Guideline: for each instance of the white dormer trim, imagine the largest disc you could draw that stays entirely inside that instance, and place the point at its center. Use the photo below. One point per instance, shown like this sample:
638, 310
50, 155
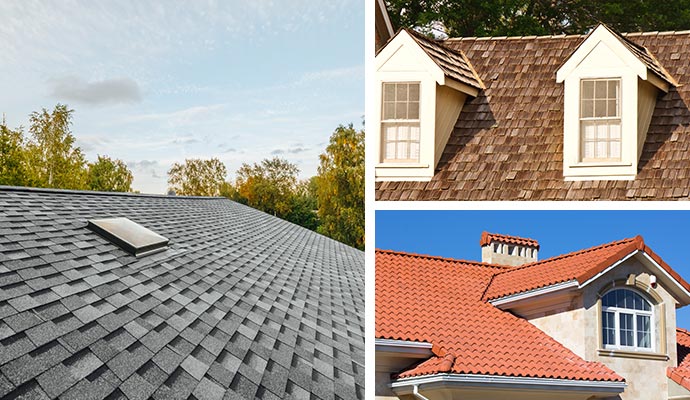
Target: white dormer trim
602, 55
599, 35
402, 60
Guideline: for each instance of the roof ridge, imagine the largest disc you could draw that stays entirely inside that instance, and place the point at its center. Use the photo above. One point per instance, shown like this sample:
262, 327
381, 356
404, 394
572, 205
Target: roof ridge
572, 254
28, 189
440, 258
562, 36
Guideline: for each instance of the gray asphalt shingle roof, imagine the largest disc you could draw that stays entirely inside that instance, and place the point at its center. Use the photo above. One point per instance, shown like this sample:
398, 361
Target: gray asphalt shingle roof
240, 305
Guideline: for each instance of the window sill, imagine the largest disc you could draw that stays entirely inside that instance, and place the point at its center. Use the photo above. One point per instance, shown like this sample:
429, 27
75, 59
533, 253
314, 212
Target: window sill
589, 164
632, 354
401, 165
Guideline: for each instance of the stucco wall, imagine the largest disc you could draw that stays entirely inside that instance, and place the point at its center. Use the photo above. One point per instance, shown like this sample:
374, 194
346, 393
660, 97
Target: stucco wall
578, 327
646, 378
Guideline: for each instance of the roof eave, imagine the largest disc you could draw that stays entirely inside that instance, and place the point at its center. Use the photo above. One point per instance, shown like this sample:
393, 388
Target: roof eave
458, 381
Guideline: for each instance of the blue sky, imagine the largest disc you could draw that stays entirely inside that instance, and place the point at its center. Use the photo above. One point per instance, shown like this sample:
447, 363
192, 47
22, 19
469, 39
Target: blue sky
155, 82
456, 234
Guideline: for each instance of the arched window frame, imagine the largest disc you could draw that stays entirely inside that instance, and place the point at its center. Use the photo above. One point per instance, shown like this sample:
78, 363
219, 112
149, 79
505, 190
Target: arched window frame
617, 311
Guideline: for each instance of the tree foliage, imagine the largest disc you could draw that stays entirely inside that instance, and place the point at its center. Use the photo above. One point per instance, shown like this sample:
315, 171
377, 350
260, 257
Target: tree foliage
268, 185
13, 170
49, 157
340, 187
538, 17
108, 175
53, 159
197, 177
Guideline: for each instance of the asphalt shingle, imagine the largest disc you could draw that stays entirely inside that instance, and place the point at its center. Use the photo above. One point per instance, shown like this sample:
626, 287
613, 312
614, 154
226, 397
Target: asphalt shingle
221, 313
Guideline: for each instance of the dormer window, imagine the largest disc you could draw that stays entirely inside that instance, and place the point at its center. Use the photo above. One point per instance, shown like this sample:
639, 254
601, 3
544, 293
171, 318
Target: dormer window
610, 90
600, 120
422, 86
400, 122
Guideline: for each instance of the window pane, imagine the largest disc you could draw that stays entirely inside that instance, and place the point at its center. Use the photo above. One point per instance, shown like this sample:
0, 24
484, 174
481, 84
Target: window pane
403, 151
414, 91
589, 150
600, 89
391, 133
615, 130
403, 132
414, 150
400, 110
401, 92
601, 151
389, 92
590, 129
609, 299
388, 110
600, 108
615, 149
390, 151
612, 108
413, 110
414, 133
613, 89
602, 131
628, 302
608, 323
587, 89
626, 329
587, 108
644, 334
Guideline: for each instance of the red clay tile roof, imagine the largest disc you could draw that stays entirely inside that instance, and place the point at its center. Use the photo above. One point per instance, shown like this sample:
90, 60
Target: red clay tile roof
579, 266
439, 300
508, 141
487, 238
454, 63
681, 373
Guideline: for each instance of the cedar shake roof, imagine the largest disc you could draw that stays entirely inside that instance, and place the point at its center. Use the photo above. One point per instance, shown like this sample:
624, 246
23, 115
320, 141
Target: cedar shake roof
437, 300
508, 141
579, 266
487, 238
240, 305
452, 62
681, 373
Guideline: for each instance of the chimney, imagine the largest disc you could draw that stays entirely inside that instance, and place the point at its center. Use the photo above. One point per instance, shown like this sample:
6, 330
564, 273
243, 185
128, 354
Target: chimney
508, 250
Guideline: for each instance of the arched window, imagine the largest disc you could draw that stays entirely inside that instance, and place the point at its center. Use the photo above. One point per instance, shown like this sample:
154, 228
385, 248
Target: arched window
626, 320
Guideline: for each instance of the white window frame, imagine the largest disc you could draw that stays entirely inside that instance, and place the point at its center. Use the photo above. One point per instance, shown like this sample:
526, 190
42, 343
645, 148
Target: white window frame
620, 310
604, 120
399, 123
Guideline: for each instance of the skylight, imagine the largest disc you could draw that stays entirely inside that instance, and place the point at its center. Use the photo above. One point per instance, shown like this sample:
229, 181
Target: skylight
128, 235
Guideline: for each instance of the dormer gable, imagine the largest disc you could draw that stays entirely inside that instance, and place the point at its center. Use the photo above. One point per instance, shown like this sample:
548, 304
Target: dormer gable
611, 87
421, 89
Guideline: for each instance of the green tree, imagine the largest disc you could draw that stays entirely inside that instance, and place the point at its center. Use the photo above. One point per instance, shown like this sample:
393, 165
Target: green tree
537, 17
12, 157
197, 177
303, 207
108, 175
53, 160
268, 186
340, 187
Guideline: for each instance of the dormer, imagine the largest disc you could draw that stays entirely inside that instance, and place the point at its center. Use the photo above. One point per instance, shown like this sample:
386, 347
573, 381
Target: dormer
421, 89
611, 87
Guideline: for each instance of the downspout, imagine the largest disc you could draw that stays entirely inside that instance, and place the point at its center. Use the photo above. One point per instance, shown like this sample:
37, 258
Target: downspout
415, 393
